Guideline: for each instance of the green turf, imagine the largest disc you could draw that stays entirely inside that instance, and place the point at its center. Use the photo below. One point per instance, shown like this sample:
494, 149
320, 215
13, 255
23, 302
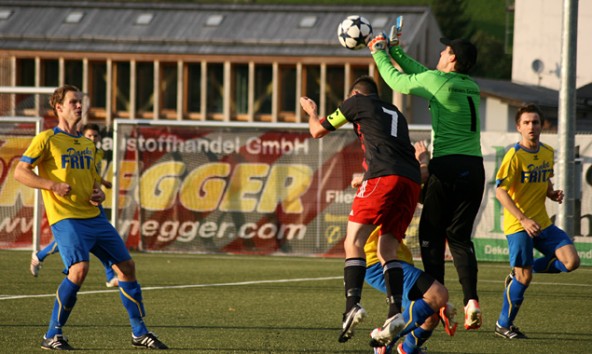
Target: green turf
222, 304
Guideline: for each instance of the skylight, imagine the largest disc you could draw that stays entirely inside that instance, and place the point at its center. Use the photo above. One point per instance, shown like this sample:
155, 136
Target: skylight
5, 14
74, 17
308, 21
144, 19
214, 20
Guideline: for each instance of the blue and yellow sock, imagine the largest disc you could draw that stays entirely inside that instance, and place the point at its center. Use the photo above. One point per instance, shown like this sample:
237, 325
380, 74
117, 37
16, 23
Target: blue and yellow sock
548, 264
513, 298
415, 339
131, 297
417, 312
63, 305
49, 249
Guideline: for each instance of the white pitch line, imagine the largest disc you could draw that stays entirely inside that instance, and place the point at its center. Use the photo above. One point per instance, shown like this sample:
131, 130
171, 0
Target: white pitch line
253, 282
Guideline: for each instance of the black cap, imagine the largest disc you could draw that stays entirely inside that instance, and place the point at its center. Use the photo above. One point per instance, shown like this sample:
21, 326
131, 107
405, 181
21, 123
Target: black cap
465, 51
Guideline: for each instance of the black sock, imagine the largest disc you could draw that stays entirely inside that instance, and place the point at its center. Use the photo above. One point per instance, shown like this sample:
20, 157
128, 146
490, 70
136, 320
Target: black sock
393, 279
353, 277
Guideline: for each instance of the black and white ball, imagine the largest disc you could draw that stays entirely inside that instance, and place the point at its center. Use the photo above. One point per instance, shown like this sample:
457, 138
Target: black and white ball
354, 32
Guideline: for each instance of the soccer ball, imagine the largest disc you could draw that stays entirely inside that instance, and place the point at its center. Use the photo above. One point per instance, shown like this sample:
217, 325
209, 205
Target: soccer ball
354, 32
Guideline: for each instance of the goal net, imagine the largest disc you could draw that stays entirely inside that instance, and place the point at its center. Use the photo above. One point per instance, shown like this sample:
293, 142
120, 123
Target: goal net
234, 187
20, 206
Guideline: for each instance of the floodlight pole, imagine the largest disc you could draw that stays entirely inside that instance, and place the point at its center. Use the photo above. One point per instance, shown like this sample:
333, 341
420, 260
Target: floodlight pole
567, 113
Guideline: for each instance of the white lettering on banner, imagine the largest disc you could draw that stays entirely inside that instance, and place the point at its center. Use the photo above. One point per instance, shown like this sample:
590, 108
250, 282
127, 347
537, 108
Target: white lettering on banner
9, 225
187, 231
337, 196
218, 145
276, 147
496, 250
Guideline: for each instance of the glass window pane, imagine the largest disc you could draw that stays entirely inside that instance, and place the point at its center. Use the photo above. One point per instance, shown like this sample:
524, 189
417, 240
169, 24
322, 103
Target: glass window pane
288, 89
73, 74
98, 84
122, 90
168, 86
240, 101
215, 96
25, 72
334, 88
145, 87
50, 73
312, 87
263, 89
194, 87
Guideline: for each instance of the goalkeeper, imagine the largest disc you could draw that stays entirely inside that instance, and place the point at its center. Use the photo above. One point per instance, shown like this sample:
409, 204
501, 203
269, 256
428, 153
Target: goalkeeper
455, 185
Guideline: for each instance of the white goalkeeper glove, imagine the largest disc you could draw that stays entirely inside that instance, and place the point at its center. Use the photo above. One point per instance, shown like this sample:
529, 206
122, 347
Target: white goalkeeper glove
378, 43
396, 31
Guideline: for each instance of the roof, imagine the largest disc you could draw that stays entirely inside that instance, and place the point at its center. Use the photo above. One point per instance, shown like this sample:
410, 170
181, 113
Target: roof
516, 94
174, 28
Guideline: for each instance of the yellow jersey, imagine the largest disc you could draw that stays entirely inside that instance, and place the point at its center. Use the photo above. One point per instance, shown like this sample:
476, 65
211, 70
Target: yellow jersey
371, 249
525, 175
62, 157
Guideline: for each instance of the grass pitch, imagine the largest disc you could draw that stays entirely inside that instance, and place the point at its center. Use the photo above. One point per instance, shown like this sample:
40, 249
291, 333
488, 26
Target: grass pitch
255, 304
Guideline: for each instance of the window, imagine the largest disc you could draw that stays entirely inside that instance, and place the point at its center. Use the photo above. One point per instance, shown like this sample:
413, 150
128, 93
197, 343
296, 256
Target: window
215, 93
168, 86
311, 84
214, 20
193, 96
263, 89
334, 88
287, 94
144, 87
73, 74
74, 17
50, 73
144, 19
98, 84
121, 71
240, 89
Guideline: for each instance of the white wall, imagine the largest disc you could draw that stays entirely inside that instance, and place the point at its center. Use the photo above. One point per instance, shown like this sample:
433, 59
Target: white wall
537, 35
495, 117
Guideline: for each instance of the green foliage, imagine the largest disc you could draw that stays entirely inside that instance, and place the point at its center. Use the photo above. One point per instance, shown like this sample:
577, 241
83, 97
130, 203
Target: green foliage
259, 304
452, 18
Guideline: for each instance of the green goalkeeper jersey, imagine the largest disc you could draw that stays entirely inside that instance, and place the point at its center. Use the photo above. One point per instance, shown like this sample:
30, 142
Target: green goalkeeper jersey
453, 101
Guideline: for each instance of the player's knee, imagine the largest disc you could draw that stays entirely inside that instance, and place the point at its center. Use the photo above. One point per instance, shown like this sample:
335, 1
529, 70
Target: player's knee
572, 263
127, 268
431, 322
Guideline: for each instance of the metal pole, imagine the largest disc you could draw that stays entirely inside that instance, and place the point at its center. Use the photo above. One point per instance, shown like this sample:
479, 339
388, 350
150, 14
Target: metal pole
567, 114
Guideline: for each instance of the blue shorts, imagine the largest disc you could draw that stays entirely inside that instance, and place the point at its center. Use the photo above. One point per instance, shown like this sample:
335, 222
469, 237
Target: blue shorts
375, 278
77, 238
521, 246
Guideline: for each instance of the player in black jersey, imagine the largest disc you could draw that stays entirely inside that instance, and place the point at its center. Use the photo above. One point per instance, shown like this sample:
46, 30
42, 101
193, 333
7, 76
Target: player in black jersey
387, 197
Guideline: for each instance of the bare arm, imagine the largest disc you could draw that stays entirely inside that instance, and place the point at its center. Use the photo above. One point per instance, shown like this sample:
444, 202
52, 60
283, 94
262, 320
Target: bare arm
423, 156
314, 125
529, 225
24, 173
554, 195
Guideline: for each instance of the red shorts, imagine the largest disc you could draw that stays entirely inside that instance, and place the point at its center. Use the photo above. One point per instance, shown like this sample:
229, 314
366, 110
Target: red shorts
387, 201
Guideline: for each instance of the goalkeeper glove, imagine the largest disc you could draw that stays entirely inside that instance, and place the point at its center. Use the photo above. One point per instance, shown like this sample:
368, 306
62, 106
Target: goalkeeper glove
396, 31
378, 43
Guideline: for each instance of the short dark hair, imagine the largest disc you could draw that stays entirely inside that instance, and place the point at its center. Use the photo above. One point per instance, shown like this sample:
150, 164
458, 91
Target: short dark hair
529, 108
465, 52
59, 94
365, 84
90, 126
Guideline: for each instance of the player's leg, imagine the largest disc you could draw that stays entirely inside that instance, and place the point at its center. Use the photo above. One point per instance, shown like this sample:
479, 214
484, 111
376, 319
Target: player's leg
402, 195
435, 216
74, 246
110, 249
520, 247
37, 258
354, 273
560, 255
466, 194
